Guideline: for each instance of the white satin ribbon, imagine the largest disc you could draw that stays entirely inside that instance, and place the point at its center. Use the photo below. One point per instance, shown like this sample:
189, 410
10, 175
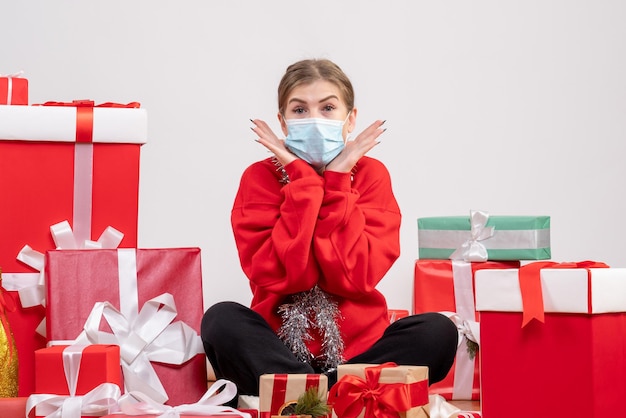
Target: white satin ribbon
150, 336
100, 400
31, 287
473, 249
222, 391
10, 78
468, 329
440, 408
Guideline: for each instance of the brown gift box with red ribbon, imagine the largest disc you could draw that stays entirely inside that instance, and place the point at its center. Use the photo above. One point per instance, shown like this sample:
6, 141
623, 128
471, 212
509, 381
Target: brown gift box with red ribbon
75, 162
556, 330
385, 390
278, 391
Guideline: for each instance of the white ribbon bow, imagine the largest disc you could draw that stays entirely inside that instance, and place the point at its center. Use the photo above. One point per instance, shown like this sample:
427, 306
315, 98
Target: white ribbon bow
466, 328
31, 287
473, 249
222, 391
98, 401
150, 336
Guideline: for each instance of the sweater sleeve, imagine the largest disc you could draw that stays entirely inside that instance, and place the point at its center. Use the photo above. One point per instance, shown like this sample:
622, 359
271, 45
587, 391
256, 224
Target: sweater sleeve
358, 231
273, 226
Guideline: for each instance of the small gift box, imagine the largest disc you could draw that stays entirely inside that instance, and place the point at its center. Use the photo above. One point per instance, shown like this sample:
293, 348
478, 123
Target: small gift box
13, 89
386, 390
481, 237
98, 364
77, 163
447, 286
395, 314
14, 408
280, 391
558, 329
77, 380
148, 301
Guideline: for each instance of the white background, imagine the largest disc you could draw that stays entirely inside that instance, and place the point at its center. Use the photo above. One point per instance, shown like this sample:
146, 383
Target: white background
513, 107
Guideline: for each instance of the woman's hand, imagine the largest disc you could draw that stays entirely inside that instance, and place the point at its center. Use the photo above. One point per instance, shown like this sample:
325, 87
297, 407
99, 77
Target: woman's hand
357, 148
269, 140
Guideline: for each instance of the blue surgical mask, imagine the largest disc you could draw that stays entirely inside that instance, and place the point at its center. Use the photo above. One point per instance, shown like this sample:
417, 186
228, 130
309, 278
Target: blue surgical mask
317, 141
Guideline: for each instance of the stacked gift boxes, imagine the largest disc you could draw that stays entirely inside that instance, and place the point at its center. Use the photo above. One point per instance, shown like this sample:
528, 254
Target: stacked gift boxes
452, 249
71, 174
74, 168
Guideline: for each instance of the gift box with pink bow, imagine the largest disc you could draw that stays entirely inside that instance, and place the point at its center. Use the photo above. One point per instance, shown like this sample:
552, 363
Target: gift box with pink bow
69, 178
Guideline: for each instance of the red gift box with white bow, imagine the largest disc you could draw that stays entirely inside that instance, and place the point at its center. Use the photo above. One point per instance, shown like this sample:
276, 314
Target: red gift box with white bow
448, 286
148, 301
73, 165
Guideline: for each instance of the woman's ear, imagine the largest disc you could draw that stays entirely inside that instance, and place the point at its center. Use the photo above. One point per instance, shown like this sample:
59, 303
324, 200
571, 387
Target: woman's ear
352, 120
283, 125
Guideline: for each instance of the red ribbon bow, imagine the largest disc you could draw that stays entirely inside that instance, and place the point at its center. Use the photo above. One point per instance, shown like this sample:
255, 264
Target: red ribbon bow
351, 394
530, 285
84, 115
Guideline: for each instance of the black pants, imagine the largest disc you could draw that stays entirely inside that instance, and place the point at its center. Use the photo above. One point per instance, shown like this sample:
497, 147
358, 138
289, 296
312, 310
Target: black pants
241, 346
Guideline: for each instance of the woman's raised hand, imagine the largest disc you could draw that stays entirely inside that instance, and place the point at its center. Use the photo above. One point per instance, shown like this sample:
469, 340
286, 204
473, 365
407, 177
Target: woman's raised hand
357, 148
269, 140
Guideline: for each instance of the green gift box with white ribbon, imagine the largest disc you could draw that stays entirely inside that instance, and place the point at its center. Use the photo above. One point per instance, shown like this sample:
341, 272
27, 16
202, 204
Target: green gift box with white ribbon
480, 237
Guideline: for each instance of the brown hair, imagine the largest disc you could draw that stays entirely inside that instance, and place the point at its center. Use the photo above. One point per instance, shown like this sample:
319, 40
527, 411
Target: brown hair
310, 70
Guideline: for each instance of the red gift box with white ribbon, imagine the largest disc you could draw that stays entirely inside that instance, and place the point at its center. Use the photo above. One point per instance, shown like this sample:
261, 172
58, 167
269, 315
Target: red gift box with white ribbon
13, 89
555, 331
75, 381
447, 286
148, 301
72, 163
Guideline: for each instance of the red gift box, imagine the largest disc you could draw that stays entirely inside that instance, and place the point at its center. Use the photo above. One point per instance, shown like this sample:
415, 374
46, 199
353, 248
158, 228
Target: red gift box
90, 375
14, 408
13, 90
574, 349
395, 314
135, 282
447, 286
49, 177
99, 364
276, 391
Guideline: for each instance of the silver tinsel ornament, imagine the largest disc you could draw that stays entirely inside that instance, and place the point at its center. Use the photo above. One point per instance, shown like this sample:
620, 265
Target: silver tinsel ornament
313, 309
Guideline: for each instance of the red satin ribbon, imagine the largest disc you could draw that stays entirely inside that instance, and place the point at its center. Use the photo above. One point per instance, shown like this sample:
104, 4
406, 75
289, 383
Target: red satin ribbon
7, 304
351, 394
84, 115
530, 285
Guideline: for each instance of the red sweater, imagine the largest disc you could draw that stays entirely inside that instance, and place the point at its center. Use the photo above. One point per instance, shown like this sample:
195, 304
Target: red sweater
330, 231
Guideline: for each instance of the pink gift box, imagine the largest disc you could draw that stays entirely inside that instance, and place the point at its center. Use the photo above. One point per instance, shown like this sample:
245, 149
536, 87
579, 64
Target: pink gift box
77, 279
44, 174
577, 353
447, 286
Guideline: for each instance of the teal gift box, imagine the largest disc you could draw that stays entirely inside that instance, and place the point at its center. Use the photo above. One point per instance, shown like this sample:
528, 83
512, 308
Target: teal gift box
480, 237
